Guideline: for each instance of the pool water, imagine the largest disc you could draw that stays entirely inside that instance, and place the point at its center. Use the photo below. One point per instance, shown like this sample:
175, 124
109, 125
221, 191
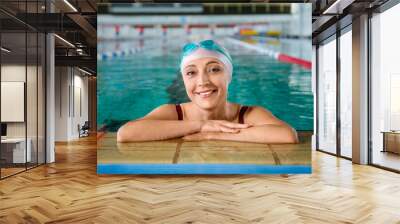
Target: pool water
131, 86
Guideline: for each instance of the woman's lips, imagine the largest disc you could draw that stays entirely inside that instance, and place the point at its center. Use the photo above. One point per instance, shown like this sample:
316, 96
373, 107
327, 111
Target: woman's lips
205, 94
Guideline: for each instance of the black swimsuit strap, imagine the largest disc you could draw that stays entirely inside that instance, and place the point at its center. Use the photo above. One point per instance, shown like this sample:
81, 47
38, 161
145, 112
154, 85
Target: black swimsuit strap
179, 111
241, 114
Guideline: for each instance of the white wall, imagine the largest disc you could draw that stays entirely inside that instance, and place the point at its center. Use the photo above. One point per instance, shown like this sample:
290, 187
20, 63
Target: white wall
33, 127
61, 103
12, 73
80, 103
12, 100
70, 84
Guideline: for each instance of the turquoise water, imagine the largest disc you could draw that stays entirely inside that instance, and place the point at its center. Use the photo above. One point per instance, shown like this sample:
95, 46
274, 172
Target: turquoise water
131, 86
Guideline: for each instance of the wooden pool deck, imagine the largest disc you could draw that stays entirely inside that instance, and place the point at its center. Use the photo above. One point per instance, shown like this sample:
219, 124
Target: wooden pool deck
178, 151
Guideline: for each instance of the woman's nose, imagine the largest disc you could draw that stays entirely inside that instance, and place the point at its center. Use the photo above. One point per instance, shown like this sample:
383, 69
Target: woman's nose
203, 79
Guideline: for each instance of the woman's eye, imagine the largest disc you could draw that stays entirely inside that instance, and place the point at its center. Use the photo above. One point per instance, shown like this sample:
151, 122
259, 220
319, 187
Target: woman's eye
215, 69
190, 73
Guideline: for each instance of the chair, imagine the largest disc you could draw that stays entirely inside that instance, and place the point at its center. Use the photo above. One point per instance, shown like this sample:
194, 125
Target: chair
84, 130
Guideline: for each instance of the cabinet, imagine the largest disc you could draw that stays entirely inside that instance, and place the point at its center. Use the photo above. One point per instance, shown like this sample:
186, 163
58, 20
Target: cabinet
13, 150
391, 141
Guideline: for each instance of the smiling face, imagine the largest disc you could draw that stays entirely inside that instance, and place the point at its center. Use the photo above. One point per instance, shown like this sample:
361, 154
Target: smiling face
206, 81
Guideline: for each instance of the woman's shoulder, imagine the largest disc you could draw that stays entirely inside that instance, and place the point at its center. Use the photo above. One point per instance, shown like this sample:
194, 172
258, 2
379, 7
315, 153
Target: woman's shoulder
166, 107
259, 114
257, 109
246, 109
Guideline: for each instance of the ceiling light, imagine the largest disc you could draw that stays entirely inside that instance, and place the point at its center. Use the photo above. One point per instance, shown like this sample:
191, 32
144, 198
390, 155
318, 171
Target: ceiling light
65, 41
5, 49
70, 5
337, 7
84, 71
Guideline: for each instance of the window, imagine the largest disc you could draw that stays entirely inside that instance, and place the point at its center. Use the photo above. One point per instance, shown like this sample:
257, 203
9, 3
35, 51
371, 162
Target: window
327, 96
346, 94
385, 89
23, 77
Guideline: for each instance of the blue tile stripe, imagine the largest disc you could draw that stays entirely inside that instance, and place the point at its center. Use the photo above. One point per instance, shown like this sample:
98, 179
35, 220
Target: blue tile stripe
202, 169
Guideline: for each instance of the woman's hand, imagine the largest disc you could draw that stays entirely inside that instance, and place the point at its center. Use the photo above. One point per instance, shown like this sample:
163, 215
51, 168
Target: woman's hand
222, 126
199, 136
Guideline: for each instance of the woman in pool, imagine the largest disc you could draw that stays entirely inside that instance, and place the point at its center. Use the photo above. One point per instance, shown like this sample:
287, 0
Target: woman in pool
206, 69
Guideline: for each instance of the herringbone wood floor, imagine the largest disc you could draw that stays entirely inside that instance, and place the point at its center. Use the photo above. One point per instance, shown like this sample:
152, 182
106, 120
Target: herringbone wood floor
70, 191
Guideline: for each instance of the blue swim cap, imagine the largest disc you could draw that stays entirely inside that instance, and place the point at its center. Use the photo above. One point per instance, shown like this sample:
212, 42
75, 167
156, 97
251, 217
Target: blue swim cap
206, 48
